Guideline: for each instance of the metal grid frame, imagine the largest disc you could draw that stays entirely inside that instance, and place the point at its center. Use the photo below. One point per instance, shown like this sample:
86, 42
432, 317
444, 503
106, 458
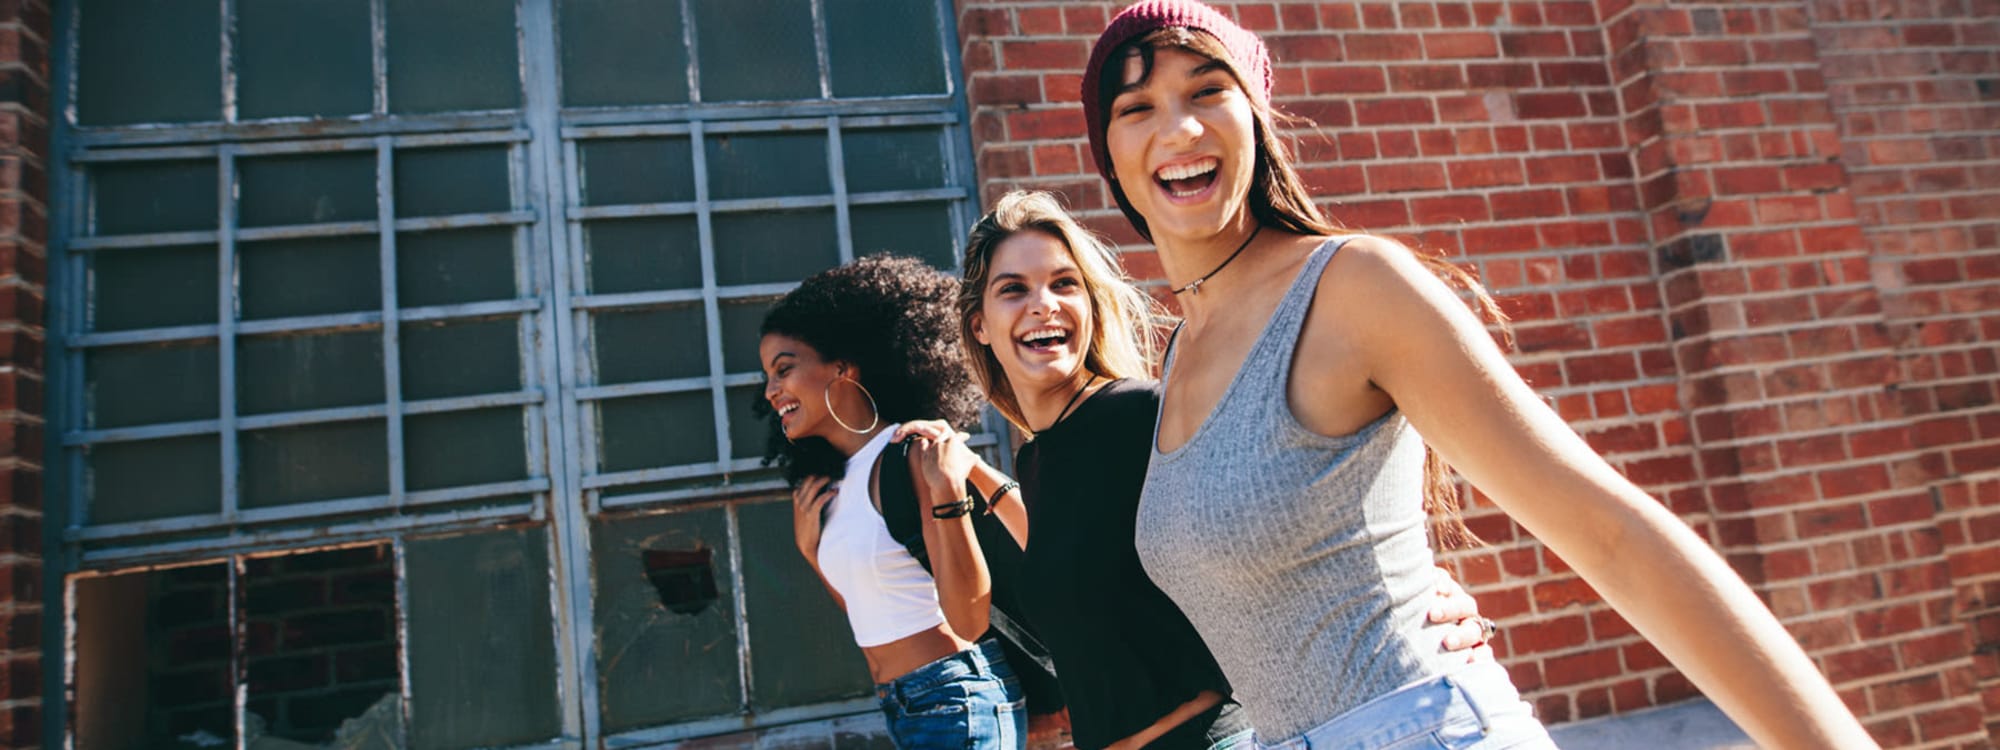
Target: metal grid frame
541, 139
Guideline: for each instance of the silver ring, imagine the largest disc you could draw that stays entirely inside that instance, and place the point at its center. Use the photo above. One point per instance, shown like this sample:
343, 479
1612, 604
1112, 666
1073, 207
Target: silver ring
1487, 627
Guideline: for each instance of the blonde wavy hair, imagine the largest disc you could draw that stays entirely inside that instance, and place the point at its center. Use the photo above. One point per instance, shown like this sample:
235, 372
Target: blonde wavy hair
1123, 340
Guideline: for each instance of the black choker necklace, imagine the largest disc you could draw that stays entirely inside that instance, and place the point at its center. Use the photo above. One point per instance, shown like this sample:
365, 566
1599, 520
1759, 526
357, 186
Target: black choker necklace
1072, 403
1195, 286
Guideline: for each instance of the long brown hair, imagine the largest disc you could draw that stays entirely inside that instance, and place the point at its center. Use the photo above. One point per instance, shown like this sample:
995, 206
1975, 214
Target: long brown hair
1122, 341
1278, 198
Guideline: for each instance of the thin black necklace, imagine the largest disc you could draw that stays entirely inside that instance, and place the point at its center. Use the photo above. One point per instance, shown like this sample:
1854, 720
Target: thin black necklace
1072, 403
1195, 286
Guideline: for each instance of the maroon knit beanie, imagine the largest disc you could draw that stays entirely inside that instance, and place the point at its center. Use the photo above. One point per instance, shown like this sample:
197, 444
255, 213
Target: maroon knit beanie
1248, 55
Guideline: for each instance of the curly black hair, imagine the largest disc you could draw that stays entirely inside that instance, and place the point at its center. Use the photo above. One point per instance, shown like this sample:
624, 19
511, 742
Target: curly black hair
894, 318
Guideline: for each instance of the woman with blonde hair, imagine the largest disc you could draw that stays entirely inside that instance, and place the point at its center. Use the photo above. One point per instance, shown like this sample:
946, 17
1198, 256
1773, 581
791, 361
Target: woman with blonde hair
1282, 508
1061, 343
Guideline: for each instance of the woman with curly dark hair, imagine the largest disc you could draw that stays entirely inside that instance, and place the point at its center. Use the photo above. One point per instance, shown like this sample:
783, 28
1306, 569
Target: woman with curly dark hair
847, 356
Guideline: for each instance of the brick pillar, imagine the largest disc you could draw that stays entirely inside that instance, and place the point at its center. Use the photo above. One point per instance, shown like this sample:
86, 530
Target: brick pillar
1916, 88
24, 147
1821, 497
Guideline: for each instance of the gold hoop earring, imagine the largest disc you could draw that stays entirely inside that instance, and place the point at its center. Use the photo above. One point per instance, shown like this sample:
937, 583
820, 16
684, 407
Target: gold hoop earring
827, 394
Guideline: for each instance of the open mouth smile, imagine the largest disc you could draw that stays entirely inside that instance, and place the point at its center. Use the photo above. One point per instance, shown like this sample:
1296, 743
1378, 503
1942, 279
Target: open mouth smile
1044, 339
1189, 179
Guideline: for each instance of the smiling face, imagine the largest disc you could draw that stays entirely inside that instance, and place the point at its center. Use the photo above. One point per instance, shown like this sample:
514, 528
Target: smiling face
1034, 314
796, 384
1182, 140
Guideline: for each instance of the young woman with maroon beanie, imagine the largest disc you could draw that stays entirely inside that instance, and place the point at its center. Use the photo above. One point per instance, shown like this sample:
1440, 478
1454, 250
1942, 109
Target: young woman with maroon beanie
1283, 508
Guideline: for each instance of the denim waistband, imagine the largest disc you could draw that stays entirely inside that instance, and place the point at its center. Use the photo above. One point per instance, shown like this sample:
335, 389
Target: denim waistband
1480, 698
983, 658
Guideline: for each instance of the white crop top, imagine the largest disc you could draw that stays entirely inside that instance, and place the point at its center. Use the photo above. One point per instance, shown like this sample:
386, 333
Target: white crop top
889, 595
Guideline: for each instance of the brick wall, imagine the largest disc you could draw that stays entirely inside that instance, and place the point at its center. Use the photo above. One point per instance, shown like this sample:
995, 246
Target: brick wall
1751, 250
24, 124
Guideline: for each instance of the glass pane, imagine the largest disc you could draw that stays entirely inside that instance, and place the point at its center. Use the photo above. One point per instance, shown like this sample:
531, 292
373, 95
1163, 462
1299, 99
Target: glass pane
631, 255
923, 230
455, 267
303, 57
756, 50
321, 653
289, 465
758, 165
308, 371
740, 320
801, 650
445, 181
756, 248
152, 660
307, 189
654, 344
482, 648
151, 286
460, 448
622, 52
283, 278
141, 197
447, 55
181, 44
893, 159
748, 435
460, 358
884, 47
152, 479
153, 384
673, 429
650, 170
666, 620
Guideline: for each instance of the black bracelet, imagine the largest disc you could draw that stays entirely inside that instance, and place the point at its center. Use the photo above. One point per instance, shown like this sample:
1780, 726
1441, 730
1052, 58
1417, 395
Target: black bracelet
999, 493
962, 506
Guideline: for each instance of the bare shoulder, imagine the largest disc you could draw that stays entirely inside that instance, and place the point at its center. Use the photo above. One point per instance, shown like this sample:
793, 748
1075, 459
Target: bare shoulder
1375, 284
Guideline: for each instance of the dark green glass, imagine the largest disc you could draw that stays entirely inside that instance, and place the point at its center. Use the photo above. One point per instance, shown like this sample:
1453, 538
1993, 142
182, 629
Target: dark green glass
296, 372
756, 50
642, 432
650, 344
151, 479
152, 196
317, 276
760, 248
446, 181
459, 448
291, 465
150, 384
666, 651
633, 255
453, 55
306, 189
180, 44
151, 287
884, 47
456, 266
760, 165
893, 159
801, 650
921, 230
460, 358
627, 171
741, 319
303, 58
481, 644
622, 52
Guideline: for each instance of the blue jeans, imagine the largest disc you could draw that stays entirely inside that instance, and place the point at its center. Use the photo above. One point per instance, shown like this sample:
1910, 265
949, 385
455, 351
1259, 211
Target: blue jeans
966, 700
1474, 707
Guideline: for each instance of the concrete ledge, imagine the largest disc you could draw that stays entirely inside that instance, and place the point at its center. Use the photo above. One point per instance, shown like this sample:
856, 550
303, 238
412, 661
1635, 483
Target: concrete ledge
1690, 725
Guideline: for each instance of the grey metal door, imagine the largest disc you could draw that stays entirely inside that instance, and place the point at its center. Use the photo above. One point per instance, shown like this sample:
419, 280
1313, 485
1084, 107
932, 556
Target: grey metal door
458, 297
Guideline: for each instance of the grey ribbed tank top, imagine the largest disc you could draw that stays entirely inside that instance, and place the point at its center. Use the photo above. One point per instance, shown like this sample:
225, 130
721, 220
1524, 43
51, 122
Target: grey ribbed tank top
1300, 558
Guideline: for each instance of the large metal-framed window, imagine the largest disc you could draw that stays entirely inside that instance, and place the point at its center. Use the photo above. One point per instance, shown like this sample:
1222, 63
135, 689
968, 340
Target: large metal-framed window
456, 292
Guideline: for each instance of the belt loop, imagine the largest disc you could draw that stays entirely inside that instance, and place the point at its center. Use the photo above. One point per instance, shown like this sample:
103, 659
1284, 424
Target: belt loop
1471, 702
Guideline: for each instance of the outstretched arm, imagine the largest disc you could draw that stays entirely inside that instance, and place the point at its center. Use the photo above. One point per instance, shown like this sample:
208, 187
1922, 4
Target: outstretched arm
1424, 348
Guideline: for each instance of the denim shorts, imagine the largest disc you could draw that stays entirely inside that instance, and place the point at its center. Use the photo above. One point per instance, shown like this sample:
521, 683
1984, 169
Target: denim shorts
1474, 707
970, 699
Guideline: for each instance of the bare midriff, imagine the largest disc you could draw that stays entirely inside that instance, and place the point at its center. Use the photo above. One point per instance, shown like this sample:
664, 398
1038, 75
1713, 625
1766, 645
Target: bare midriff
904, 655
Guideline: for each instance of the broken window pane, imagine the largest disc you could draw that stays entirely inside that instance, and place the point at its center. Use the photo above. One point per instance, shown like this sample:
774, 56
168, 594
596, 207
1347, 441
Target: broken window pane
664, 652
152, 660
320, 649
482, 647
